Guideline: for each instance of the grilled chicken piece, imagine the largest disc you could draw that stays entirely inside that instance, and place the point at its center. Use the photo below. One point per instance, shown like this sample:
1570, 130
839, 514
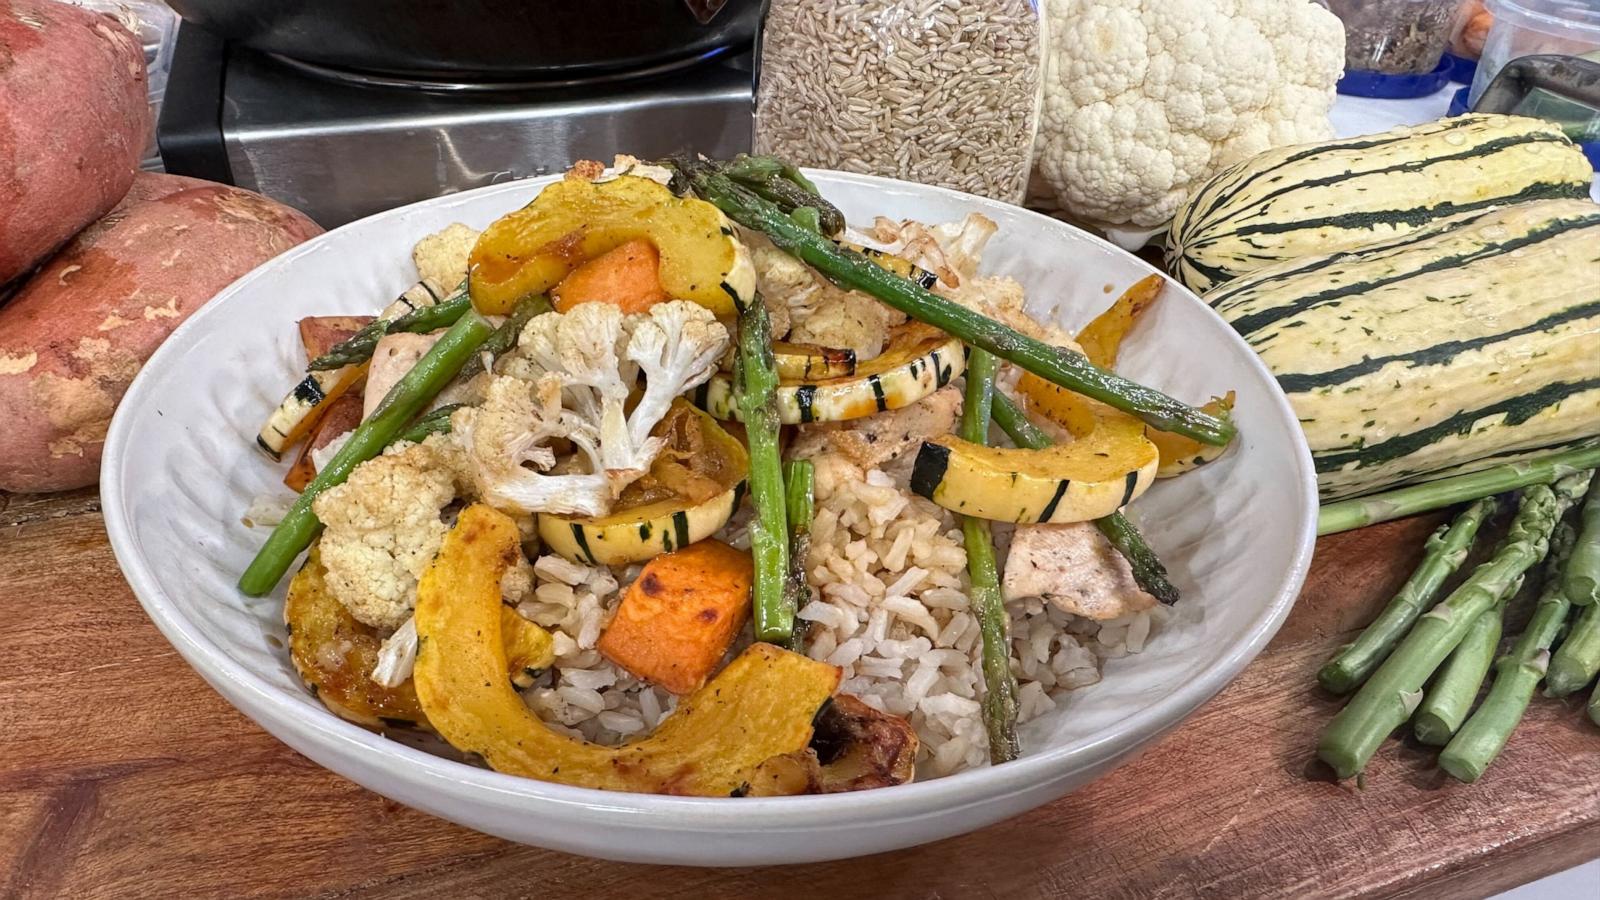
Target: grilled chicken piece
393, 358
851, 320
1074, 568
854, 748
876, 441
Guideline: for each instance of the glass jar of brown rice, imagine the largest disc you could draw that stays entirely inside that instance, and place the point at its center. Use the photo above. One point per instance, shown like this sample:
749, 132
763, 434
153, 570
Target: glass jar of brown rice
941, 92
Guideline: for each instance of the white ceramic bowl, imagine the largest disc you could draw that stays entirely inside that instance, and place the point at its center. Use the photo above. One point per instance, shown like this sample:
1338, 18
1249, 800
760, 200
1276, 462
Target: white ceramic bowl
181, 468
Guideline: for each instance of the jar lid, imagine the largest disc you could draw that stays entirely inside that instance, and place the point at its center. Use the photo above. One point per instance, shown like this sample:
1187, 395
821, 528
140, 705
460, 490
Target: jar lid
1359, 83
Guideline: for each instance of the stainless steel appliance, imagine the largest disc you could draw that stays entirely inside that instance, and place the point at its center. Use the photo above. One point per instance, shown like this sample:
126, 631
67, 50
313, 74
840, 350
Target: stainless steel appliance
341, 143
481, 39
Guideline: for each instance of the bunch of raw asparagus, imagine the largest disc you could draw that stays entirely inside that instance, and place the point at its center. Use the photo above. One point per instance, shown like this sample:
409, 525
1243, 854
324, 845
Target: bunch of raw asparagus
1429, 667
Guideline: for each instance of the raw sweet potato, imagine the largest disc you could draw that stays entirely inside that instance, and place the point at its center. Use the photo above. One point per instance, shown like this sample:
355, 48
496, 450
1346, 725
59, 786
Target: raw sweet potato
627, 276
678, 617
78, 331
74, 120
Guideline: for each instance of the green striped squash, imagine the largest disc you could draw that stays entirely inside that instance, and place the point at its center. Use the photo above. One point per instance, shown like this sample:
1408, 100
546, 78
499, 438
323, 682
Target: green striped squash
1474, 337
1318, 198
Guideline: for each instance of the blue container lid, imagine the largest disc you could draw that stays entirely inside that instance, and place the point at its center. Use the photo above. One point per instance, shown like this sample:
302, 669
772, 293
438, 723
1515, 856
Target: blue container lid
1461, 68
1394, 87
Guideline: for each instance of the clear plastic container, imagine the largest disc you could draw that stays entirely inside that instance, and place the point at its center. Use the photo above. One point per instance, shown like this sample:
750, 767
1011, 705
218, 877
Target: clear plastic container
941, 92
156, 26
1526, 27
1395, 37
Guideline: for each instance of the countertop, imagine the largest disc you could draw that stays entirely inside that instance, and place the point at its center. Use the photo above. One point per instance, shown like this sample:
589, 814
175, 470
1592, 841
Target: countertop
125, 775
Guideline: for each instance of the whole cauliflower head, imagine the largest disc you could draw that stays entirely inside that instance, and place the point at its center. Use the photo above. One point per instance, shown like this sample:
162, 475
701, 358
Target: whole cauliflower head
1145, 99
383, 527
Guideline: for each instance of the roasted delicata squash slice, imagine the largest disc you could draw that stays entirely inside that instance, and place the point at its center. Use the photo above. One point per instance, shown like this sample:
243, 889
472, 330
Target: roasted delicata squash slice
691, 491
573, 220
918, 360
761, 706
1180, 454
1102, 338
1108, 462
1101, 341
889, 262
335, 654
805, 362
303, 407
810, 362
1088, 478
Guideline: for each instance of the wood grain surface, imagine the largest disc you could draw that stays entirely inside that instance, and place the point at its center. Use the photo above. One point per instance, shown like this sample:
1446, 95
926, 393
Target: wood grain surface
123, 775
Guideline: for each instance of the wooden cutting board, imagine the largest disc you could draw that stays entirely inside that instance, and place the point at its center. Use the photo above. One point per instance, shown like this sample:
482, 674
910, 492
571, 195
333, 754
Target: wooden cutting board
123, 775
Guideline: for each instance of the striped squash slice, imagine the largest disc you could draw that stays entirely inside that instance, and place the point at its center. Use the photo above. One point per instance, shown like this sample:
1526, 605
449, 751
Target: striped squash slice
1181, 454
642, 532
299, 411
1475, 337
890, 262
1108, 462
810, 362
1317, 198
1092, 476
1101, 341
918, 360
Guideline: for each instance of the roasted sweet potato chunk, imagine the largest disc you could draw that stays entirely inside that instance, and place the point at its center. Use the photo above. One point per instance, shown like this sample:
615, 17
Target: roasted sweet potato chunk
627, 276
678, 617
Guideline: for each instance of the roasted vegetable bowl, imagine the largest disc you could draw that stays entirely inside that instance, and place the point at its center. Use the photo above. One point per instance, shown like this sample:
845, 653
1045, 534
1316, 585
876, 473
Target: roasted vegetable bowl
557, 530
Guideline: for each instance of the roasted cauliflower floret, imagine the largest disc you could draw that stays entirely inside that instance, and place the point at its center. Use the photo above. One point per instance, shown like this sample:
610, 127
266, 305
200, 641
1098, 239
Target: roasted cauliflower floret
950, 250
676, 346
953, 250
574, 372
506, 439
384, 525
441, 257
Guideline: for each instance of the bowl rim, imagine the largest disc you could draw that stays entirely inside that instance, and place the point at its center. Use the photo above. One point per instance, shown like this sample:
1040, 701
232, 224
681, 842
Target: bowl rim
262, 701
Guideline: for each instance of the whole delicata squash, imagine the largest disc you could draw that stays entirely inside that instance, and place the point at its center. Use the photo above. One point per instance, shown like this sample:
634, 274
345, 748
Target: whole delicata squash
573, 220
760, 707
